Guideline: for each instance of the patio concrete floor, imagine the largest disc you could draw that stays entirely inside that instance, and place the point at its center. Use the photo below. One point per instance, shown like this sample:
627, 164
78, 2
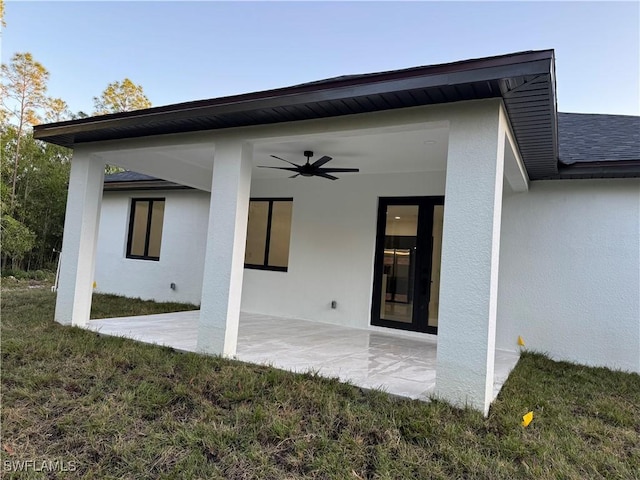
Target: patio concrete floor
396, 363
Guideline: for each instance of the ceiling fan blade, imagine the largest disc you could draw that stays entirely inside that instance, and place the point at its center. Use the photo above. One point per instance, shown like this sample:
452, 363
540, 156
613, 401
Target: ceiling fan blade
294, 176
325, 175
330, 170
280, 168
284, 160
321, 161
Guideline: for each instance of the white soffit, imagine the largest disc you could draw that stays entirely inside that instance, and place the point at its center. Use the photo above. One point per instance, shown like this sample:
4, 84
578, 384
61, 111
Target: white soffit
373, 152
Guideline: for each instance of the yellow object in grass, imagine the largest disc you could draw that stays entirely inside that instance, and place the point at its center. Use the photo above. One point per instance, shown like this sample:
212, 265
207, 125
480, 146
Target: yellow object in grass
94, 284
520, 341
526, 419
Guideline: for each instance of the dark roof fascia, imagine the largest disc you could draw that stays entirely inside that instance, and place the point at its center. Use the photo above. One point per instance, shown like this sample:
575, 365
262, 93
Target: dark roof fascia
604, 169
144, 185
553, 99
505, 66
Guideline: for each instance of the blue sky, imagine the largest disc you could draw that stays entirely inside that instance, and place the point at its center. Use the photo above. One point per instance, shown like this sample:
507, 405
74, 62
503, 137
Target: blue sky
181, 51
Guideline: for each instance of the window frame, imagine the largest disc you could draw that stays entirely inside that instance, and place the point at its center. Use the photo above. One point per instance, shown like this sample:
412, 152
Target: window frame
132, 216
267, 246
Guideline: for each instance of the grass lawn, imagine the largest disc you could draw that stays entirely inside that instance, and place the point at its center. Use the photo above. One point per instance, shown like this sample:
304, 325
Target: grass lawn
119, 409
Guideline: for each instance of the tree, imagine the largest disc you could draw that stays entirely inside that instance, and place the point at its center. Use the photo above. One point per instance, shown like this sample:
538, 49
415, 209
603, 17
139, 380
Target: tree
24, 83
2, 22
40, 197
121, 97
17, 239
57, 110
79, 114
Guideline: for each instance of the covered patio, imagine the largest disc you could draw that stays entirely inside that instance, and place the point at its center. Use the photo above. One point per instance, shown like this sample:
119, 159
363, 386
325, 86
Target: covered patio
466, 147
397, 363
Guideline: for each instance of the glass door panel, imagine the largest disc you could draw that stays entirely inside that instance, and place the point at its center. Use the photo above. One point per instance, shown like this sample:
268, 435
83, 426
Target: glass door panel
399, 267
436, 254
407, 263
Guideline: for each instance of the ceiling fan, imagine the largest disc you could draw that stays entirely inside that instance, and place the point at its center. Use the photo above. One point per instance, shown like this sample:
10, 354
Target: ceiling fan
312, 169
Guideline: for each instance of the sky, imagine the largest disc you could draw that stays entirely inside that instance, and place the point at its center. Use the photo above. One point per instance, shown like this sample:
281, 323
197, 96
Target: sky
182, 51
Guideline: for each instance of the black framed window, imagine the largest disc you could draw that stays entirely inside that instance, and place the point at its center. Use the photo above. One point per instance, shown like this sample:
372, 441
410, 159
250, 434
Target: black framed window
145, 228
268, 234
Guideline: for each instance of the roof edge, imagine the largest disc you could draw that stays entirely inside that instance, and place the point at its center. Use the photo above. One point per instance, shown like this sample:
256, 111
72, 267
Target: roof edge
143, 185
44, 131
594, 170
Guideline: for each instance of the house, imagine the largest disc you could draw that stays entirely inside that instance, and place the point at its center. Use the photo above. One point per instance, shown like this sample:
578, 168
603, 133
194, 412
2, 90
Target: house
479, 214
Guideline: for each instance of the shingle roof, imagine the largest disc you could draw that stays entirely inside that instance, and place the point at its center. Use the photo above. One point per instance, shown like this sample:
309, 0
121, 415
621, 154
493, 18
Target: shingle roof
127, 177
138, 181
587, 138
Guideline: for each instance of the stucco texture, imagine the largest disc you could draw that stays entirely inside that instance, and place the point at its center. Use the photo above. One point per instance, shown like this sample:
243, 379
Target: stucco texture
569, 279
181, 253
333, 236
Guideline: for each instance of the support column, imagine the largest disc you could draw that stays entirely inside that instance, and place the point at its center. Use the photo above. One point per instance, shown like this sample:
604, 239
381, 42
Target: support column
224, 256
470, 255
81, 223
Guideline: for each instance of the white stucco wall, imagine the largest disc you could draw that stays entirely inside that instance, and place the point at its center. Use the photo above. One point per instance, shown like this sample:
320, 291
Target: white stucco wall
333, 236
570, 271
569, 278
181, 255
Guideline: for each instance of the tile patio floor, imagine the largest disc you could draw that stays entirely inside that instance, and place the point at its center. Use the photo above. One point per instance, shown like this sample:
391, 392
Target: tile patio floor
396, 363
